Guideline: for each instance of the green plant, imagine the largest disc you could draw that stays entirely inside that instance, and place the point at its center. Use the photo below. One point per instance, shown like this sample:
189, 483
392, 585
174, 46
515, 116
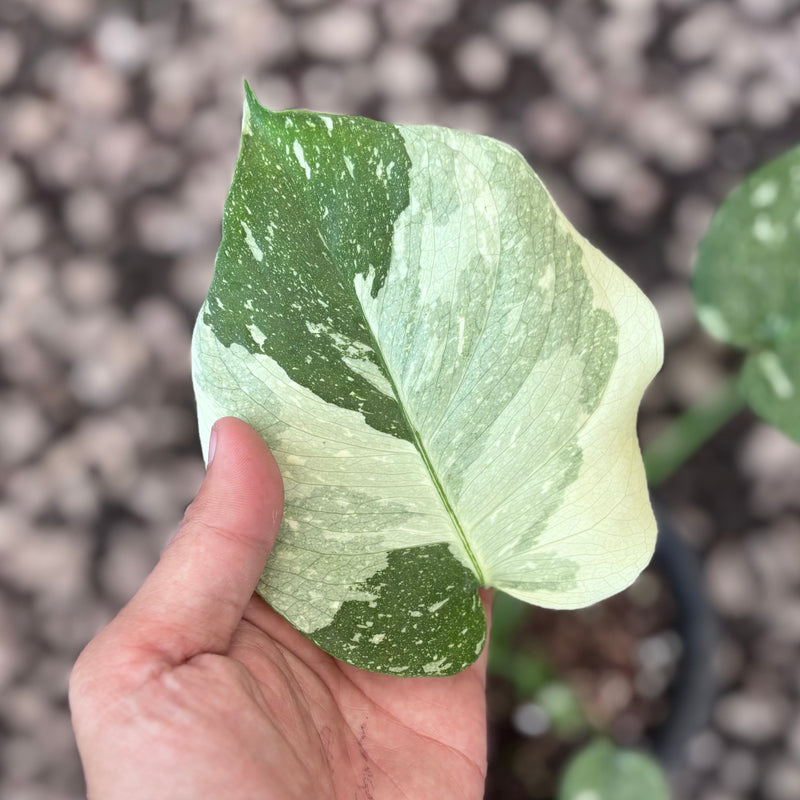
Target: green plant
603, 771
747, 293
747, 290
447, 373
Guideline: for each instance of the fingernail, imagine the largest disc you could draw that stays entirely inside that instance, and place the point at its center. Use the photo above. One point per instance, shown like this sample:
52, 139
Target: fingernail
212, 446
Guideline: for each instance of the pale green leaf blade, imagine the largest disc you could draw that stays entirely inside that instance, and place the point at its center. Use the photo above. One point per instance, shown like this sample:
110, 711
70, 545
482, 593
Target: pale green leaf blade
603, 771
447, 373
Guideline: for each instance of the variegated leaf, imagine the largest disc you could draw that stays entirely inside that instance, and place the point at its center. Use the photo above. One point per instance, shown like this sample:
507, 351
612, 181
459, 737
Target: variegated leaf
747, 286
447, 373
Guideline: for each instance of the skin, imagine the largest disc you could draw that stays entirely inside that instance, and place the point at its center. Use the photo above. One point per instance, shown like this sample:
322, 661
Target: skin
197, 689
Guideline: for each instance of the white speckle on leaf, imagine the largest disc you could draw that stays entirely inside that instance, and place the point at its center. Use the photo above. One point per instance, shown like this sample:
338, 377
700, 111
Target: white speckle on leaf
328, 123
258, 337
301, 157
258, 253
548, 279
349, 164
436, 606
776, 376
714, 322
764, 194
766, 230
370, 372
377, 638
432, 667
315, 328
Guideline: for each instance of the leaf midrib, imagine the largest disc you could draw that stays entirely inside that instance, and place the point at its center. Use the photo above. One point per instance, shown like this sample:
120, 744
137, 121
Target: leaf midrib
417, 440
421, 449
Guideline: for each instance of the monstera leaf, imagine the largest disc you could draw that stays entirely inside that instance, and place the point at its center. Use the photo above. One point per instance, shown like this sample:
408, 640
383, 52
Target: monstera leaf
447, 373
747, 287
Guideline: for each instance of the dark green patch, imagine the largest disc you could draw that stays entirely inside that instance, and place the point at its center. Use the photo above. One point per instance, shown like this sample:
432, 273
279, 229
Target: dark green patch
397, 633
315, 234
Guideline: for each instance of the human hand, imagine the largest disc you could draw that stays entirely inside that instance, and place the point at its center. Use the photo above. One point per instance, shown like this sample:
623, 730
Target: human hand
197, 689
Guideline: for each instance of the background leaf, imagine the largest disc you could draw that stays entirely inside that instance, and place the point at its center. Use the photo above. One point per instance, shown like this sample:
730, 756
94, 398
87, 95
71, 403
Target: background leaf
747, 286
447, 373
770, 382
603, 771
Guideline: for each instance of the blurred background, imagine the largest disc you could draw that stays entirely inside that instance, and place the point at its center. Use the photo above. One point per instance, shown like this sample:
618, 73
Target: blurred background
119, 127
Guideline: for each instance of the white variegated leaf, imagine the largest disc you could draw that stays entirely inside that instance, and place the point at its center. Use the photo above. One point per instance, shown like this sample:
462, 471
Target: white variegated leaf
447, 373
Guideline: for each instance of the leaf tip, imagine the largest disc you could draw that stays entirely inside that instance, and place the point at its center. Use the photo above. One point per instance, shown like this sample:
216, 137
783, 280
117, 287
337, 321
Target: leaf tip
249, 94
251, 108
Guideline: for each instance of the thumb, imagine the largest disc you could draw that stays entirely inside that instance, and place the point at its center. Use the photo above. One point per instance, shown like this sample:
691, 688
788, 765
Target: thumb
193, 600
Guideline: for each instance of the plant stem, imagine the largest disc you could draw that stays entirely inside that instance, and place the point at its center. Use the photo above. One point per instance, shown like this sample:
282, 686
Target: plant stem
690, 431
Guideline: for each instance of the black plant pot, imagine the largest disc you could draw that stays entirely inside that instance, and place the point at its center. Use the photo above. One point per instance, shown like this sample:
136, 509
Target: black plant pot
688, 698
693, 689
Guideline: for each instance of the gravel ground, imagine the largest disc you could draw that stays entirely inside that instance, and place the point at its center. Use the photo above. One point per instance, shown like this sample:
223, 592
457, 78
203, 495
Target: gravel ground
119, 126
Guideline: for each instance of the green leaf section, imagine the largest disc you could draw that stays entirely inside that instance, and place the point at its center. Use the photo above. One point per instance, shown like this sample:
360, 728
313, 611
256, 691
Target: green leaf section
747, 286
432, 607
303, 241
603, 771
447, 373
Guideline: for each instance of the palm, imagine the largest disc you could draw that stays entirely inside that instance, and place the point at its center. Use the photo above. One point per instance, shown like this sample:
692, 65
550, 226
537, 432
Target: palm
385, 737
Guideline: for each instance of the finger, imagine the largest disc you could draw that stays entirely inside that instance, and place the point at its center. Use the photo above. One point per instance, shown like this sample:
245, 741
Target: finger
194, 598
